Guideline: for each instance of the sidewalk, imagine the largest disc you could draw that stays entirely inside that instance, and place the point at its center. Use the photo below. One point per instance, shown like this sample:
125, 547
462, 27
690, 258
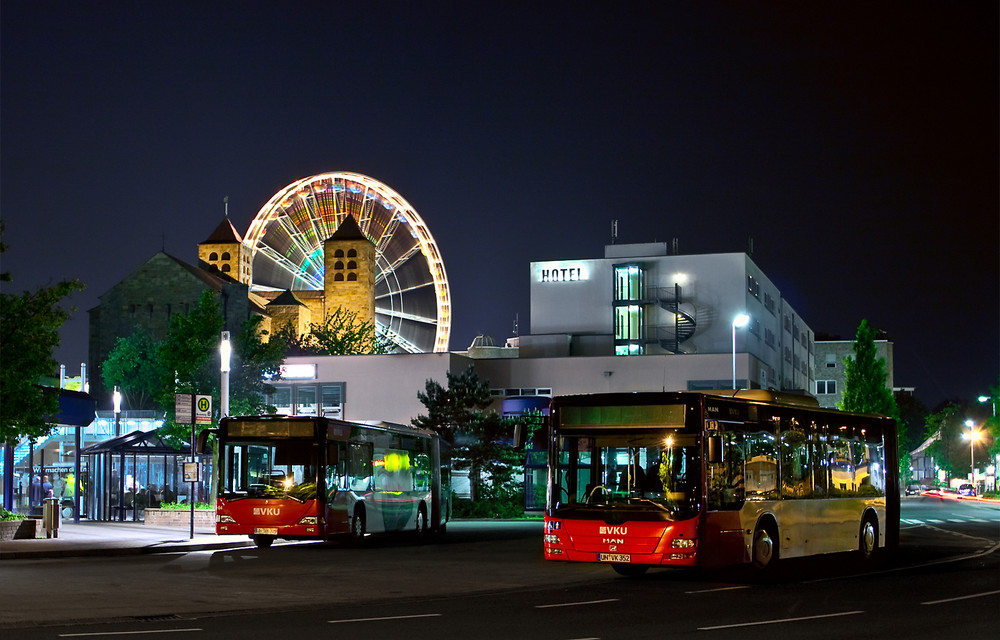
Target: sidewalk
90, 538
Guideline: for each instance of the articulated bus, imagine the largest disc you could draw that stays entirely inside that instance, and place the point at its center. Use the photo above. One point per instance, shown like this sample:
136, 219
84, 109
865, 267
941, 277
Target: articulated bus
713, 478
306, 477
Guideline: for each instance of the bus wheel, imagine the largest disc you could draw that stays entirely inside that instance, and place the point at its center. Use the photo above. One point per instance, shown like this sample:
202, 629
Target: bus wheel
358, 527
764, 553
868, 539
262, 542
421, 529
630, 570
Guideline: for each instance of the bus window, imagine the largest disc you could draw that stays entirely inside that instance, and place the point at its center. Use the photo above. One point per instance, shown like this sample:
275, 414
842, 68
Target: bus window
761, 466
796, 479
725, 479
360, 467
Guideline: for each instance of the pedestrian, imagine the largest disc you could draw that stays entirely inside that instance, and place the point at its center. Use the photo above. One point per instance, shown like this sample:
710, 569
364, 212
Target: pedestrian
35, 493
46, 488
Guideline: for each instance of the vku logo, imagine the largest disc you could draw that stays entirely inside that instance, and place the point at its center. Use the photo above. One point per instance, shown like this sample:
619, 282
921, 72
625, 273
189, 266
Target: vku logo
613, 531
266, 511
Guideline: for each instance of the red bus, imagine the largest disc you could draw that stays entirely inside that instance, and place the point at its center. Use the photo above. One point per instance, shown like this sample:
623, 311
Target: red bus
307, 477
711, 478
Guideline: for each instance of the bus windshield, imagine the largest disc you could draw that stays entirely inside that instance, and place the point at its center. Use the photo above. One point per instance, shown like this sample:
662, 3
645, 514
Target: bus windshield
282, 469
655, 472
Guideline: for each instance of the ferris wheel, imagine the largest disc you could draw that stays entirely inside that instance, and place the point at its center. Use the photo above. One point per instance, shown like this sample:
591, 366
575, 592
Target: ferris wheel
412, 300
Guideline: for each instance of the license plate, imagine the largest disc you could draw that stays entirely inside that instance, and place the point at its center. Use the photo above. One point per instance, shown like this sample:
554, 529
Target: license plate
265, 531
614, 557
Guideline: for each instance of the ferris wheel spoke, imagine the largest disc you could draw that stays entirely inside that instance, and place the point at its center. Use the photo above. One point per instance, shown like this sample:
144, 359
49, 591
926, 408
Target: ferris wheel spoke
291, 267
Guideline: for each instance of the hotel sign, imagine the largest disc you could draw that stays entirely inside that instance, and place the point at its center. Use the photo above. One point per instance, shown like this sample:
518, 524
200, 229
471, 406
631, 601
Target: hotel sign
562, 272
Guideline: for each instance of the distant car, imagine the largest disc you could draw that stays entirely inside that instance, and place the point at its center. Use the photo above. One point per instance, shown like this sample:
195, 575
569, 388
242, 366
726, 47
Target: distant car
966, 490
912, 489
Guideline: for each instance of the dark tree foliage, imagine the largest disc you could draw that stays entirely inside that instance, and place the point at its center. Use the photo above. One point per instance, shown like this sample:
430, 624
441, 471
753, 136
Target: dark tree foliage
481, 439
29, 334
340, 334
865, 388
134, 366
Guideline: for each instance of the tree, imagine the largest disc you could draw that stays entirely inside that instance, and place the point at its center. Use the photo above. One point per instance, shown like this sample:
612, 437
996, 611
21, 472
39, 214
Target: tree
459, 415
135, 367
865, 389
946, 428
29, 334
190, 364
340, 334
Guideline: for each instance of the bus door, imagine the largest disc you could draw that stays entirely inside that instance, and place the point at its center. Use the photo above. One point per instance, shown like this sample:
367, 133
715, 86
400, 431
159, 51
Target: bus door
725, 470
338, 514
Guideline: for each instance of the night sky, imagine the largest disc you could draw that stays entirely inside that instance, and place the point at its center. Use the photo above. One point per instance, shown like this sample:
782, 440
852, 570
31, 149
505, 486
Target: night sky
856, 145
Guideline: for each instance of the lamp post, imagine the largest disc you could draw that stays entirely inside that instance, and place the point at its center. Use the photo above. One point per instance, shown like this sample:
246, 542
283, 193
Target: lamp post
972, 450
225, 351
738, 322
992, 402
117, 399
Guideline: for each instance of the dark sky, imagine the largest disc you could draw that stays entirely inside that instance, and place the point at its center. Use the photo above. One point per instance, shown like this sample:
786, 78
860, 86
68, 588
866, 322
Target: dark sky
856, 144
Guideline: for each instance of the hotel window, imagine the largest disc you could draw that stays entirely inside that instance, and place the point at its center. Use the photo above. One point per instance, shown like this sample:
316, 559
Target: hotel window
831, 361
629, 313
826, 387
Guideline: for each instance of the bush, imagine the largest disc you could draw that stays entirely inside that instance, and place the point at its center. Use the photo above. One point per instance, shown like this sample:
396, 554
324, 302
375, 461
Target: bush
185, 506
9, 515
506, 506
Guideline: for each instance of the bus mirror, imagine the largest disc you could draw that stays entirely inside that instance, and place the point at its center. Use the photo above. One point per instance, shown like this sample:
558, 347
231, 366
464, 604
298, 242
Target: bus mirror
519, 436
202, 445
715, 449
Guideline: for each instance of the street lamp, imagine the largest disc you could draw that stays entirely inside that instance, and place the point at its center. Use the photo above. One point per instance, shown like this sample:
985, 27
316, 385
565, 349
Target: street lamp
991, 401
117, 399
738, 322
972, 448
225, 351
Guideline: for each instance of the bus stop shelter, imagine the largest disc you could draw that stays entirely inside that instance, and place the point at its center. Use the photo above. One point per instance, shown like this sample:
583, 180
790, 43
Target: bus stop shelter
139, 470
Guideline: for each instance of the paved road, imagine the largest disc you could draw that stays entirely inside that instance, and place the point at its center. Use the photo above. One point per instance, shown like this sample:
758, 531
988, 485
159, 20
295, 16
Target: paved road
487, 580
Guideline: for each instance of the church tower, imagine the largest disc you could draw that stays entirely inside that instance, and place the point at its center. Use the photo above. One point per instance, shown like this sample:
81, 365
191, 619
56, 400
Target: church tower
224, 252
349, 278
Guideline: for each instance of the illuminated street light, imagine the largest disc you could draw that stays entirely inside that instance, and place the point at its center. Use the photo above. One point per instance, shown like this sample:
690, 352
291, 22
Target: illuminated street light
117, 399
738, 322
992, 403
973, 435
225, 351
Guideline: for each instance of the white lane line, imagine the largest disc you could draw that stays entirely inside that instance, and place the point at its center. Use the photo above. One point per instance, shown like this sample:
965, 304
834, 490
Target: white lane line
417, 615
974, 595
779, 621
124, 633
718, 589
574, 604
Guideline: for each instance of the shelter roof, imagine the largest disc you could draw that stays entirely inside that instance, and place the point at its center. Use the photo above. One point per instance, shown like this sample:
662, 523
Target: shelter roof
149, 442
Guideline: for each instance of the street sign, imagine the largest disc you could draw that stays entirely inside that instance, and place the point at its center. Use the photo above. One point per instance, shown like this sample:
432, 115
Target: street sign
183, 408
203, 410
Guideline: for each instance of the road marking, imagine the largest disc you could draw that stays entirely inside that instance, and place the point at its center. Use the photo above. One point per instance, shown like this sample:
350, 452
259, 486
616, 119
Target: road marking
974, 595
779, 621
574, 604
417, 615
124, 633
935, 521
719, 589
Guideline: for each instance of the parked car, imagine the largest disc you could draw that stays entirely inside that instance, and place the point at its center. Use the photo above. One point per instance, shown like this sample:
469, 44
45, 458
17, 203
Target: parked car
966, 490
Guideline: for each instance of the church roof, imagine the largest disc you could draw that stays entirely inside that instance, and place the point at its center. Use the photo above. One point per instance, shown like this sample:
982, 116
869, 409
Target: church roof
348, 230
224, 233
287, 299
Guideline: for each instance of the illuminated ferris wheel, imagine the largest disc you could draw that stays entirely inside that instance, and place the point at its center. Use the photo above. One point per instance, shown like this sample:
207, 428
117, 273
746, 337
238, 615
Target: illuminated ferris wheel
412, 301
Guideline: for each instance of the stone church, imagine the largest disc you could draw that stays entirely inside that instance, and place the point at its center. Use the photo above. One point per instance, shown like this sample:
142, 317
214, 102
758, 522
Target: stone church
165, 285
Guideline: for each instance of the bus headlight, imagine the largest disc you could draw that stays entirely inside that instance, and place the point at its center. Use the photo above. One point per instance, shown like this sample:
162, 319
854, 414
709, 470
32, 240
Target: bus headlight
551, 538
682, 543
220, 518
309, 520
